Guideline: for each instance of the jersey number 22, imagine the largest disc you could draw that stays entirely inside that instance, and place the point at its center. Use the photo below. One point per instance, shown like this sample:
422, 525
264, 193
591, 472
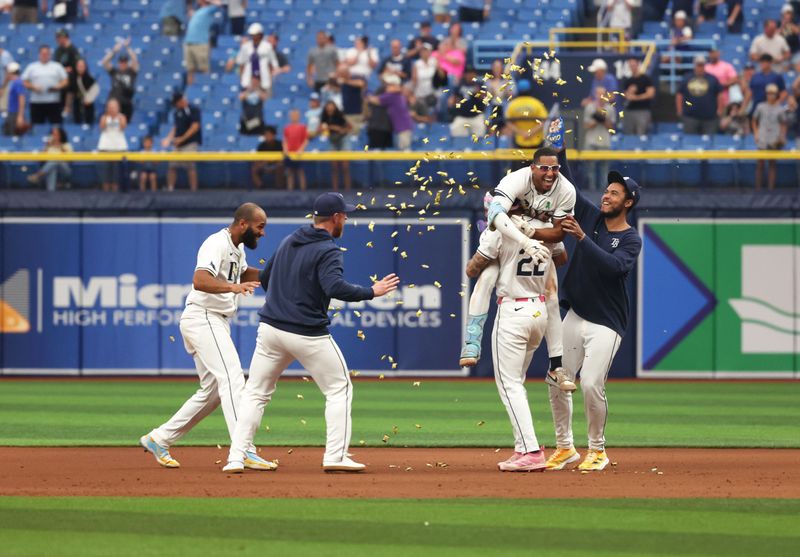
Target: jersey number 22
535, 271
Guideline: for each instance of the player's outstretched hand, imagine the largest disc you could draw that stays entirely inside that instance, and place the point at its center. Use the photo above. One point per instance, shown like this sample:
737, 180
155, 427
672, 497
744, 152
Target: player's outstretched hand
571, 226
385, 285
523, 225
537, 251
245, 288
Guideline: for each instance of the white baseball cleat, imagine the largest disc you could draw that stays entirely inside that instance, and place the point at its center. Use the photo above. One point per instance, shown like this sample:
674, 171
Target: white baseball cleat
234, 467
559, 378
344, 465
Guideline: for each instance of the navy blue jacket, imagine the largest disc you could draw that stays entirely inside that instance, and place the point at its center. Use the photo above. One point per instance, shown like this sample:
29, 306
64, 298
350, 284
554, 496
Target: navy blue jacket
595, 286
300, 279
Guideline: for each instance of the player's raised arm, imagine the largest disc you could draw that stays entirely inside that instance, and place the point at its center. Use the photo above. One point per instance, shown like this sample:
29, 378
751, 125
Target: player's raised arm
331, 278
556, 140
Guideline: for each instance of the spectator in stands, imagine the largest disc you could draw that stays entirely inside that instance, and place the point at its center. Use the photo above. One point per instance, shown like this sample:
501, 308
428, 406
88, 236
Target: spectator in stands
81, 94
451, 57
26, 11
112, 139
423, 72
769, 131
741, 92
735, 20
196, 44
425, 38
269, 144
66, 11
639, 95
5, 59
466, 104
681, 32
474, 10
760, 81
335, 126
45, 79
502, 89
396, 103
295, 140
322, 62
441, 11
123, 77
332, 91
146, 170
599, 116
620, 14
66, 54
794, 106
396, 63
252, 98
186, 136
735, 121
15, 123
283, 60
361, 59
313, 116
723, 71
698, 102
603, 79
257, 61
236, 15
788, 29
54, 172
525, 117
173, 15
378, 123
353, 88
772, 43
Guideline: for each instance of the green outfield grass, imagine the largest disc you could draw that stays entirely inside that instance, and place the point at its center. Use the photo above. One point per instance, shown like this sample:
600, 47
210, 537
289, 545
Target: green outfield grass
690, 414
140, 527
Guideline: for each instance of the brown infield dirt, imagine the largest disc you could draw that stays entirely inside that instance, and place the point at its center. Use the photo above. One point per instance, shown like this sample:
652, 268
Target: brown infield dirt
398, 473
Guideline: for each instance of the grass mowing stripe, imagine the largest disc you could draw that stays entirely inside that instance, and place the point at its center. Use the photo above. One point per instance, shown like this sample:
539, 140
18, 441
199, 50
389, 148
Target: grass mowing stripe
145, 526
681, 414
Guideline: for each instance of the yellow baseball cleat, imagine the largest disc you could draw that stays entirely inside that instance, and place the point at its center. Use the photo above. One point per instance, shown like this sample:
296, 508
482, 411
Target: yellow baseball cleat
160, 453
595, 460
562, 457
254, 462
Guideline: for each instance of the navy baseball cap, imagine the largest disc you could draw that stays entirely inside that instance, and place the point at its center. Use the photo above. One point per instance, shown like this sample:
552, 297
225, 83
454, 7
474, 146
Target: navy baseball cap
630, 184
330, 203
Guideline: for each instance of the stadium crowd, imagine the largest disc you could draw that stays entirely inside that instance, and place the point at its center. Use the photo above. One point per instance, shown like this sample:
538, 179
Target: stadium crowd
428, 80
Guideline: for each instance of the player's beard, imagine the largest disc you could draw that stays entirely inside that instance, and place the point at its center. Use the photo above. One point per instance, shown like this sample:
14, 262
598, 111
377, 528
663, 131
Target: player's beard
250, 238
338, 231
613, 213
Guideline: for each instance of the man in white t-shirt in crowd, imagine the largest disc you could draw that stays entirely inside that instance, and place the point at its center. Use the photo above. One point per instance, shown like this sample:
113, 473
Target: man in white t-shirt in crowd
256, 58
220, 276
620, 13
772, 43
45, 79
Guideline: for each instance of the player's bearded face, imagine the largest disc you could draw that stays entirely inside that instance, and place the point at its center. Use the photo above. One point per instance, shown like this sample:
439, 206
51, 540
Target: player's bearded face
613, 201
250, 237
338, 220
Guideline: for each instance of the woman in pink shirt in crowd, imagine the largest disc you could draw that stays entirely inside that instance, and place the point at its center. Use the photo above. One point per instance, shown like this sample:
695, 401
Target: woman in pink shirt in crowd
452, 53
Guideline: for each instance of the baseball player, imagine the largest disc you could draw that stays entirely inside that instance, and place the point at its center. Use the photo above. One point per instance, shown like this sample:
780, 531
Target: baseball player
300, 280
595, 292
518, 329
221, 275
547, 196
486, 281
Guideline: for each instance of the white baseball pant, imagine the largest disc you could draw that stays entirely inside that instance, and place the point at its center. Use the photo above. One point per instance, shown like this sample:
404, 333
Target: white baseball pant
517, 333
590, 349
481, 295
207, 338
321, 357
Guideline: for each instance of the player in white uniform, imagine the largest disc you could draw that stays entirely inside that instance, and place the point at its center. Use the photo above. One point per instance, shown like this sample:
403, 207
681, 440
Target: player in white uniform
548, 197
518, 329
220, 276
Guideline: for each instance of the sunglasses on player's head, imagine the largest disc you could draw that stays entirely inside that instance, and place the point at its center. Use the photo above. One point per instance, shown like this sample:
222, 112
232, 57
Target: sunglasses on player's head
546, 168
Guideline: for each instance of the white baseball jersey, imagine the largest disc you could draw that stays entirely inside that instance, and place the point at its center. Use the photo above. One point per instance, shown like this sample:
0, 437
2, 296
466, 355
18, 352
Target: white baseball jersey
220, 257
555, 204
519, 277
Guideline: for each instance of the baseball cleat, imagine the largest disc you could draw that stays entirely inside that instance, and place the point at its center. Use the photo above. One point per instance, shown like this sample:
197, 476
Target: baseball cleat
254, 462
508, 461
161, 453
234, 467
528, 462
561, 458
559, 378
344, 465
595, 460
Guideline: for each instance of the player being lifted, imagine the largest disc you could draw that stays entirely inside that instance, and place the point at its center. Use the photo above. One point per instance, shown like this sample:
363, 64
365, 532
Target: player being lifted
519, 326
548, 197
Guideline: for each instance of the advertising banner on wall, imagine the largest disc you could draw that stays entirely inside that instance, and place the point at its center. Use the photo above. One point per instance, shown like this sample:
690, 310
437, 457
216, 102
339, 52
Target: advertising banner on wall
104, 296
719, 298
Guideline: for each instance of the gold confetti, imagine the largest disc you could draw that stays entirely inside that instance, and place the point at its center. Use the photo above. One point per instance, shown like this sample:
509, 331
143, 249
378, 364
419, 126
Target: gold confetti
480, 423
360, 334
409, 469
417, 426
371, 226
395, 430
537, 314
262, 261
219, 447
393, 234
218, 462
419, 313
404, 255
306, 379
290, 451
497, 450
302, 421
369, 244
394, 366
452, 315
355, 373
362, 442
380, 376
366, 147
171, 338
385, 438
300, 397
416, 384
357, 313
266, 428
437, 284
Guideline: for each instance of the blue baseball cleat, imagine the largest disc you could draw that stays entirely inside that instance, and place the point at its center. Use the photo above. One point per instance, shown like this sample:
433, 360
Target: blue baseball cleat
161, 453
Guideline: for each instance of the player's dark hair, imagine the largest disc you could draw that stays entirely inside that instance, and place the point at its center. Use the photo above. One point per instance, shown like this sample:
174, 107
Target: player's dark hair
544, 152
246, 211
